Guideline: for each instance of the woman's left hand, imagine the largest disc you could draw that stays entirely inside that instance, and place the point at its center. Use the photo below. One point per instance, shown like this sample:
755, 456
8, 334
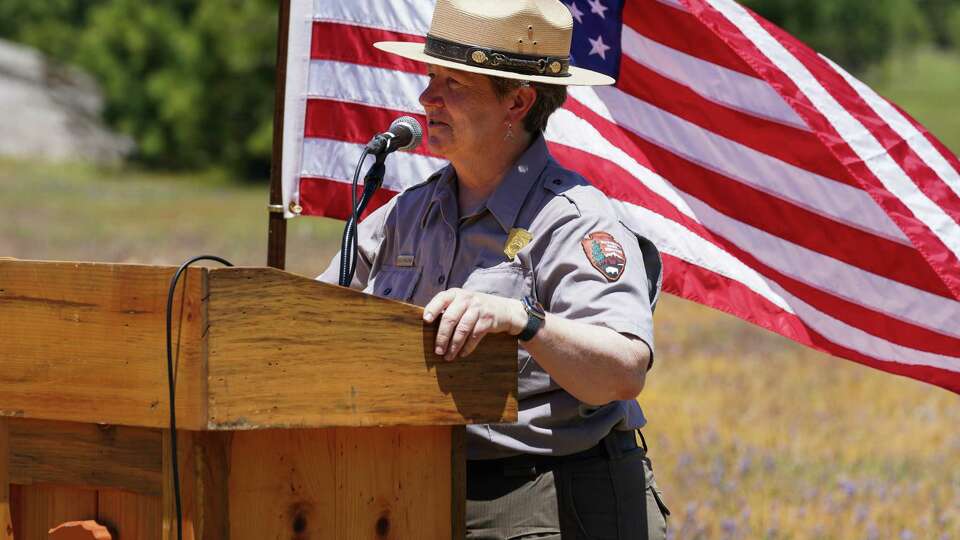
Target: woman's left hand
468, 316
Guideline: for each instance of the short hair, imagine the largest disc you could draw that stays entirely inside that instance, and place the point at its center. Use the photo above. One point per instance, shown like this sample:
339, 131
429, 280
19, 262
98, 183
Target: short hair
549, 98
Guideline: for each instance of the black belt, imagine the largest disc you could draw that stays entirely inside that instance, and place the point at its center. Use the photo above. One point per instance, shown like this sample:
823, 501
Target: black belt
610, 447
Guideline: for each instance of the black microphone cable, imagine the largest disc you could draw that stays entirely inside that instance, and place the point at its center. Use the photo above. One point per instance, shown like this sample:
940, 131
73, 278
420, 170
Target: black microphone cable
371, 183
350, 230
405, 133
171, 383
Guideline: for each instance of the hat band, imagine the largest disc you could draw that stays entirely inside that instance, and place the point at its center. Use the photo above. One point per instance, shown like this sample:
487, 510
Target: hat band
550, 66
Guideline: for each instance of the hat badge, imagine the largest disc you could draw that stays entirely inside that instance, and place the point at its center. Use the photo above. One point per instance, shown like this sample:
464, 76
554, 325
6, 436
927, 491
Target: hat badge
479, 57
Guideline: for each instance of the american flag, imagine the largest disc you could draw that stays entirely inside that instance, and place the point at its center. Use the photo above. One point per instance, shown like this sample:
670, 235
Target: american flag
778, 187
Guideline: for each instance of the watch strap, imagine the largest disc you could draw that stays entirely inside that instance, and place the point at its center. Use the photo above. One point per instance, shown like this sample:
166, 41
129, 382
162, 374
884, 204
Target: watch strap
535, 317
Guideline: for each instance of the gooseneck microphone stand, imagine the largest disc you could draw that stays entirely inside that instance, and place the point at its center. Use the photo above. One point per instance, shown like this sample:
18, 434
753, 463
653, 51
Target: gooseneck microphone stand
371, 183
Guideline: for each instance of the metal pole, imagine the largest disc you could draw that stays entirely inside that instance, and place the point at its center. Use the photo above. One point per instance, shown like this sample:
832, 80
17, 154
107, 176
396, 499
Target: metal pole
277, 228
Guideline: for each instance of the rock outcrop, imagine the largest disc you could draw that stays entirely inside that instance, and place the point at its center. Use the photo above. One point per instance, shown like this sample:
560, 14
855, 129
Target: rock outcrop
52, 112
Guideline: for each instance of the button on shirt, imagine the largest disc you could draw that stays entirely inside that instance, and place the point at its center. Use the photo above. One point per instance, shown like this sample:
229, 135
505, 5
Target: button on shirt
418, 245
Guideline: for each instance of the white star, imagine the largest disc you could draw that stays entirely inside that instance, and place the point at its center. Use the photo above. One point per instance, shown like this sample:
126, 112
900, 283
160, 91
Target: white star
598, 47
598, 8
575, 11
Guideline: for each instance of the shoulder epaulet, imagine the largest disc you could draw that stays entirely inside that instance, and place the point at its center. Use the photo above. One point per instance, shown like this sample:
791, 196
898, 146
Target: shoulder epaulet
577, 190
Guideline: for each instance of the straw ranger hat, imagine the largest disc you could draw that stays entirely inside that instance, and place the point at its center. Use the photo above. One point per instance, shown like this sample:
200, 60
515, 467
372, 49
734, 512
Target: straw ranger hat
515, 39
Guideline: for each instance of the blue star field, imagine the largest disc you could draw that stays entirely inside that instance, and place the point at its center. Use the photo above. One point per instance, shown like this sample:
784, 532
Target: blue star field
597, 25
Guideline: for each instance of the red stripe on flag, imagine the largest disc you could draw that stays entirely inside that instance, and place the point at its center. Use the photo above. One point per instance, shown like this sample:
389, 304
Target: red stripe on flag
943, 378
680, 31
352, 122
354, 44
892, 329
329, 198
700, 285
619, 184
937, 255
719, 292
804, 151
912, 164
768, 213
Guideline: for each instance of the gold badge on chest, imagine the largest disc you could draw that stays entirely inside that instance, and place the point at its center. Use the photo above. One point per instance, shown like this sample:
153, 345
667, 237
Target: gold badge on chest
517, 240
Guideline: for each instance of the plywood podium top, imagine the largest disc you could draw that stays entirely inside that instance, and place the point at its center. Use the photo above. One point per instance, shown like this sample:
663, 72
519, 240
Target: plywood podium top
253, 348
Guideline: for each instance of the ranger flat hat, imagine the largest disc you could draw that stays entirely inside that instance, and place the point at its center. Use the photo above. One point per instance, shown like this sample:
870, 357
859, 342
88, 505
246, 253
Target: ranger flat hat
515, 39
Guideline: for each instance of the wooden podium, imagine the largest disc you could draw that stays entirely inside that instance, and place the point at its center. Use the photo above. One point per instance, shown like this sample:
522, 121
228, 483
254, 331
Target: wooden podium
304, 411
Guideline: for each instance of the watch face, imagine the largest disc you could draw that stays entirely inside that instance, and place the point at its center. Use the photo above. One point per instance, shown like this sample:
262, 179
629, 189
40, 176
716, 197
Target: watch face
533, 307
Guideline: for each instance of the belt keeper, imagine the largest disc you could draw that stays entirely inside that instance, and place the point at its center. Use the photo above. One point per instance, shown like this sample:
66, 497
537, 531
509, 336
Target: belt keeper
612, 443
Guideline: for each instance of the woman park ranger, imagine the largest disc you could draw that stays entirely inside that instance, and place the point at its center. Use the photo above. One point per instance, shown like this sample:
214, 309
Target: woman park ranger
505, 240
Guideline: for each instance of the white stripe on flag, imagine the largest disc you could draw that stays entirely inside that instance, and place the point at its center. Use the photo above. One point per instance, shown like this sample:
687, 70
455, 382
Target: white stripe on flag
837, 201
674, 239
569, 129
566, 128
367, 85
858, 137
326, 158
838, 278
715, 83
905, 129
406, 16
295, 103
862, 342
674, 3
680, 242
398, 90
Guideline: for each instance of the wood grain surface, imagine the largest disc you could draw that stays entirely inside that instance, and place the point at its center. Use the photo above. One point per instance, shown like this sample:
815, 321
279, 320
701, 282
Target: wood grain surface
6, 516
86, 342
133, 516
319, 484
90, 455
287, 351
204, 459
45, 506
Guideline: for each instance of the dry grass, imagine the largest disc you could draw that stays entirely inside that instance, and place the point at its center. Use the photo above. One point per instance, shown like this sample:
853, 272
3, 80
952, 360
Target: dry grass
752, 436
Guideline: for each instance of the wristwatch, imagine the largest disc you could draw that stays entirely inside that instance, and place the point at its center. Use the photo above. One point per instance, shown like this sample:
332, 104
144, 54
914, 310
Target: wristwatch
535, 317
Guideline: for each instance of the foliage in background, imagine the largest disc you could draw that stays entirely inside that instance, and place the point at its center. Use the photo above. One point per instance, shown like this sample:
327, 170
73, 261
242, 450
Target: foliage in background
192, 81
853, 33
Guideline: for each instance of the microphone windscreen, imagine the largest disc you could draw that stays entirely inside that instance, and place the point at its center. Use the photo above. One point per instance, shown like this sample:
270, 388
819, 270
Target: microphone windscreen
411, 124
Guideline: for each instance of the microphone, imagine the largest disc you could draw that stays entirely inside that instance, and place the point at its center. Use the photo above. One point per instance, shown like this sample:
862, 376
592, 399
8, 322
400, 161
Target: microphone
405, 133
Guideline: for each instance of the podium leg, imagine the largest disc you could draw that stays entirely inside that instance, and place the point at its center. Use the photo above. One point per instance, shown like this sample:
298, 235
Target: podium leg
6, 517
204, 469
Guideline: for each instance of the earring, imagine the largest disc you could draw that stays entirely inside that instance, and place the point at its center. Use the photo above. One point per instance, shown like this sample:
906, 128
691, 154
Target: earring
509, 131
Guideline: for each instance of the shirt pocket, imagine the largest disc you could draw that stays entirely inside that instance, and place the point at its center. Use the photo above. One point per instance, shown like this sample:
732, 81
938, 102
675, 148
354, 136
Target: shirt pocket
509, 280
396, 283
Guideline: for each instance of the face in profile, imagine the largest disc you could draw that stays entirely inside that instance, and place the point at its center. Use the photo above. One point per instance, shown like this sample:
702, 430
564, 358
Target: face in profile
464, 114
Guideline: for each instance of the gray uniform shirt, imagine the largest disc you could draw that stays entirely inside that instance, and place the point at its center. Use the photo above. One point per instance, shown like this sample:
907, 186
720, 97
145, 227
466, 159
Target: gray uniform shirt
418, 245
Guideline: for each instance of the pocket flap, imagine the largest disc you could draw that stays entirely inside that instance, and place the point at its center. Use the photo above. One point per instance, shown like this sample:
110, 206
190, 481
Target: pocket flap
396, 283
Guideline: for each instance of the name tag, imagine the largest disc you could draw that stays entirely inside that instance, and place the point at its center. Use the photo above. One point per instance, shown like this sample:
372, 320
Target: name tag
405, 260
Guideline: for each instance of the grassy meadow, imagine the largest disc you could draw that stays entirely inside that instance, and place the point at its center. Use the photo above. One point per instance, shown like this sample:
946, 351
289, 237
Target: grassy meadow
752, 436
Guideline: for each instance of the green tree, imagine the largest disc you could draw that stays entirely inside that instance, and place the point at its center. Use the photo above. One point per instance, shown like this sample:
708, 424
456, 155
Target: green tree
191, 81
854, 33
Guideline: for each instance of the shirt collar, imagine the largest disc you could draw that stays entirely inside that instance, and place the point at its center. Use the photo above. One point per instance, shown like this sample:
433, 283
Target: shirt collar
508, 198
443, 189
506, 201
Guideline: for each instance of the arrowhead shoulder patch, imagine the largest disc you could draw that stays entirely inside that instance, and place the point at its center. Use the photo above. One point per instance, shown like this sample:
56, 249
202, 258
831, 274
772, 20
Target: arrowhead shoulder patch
605, 254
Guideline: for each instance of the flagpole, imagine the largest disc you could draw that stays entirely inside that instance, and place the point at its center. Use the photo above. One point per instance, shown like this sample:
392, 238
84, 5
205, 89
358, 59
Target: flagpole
277, 227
